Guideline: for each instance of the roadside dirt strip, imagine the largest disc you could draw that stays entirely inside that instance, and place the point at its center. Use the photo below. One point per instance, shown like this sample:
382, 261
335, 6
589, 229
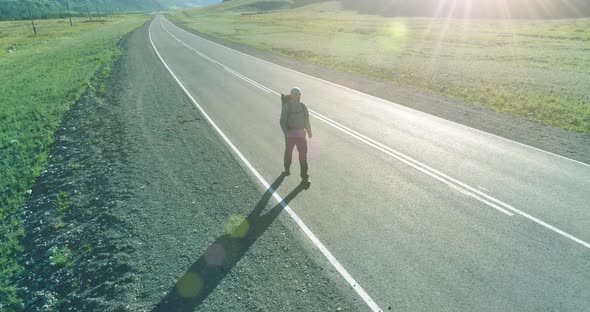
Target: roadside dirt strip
163, 217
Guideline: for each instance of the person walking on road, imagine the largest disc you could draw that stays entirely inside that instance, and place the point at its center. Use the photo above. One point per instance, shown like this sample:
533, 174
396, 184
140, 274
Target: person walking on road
295, 125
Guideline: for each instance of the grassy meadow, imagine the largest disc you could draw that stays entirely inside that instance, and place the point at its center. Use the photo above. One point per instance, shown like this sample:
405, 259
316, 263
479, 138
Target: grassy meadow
42, 77
535, 69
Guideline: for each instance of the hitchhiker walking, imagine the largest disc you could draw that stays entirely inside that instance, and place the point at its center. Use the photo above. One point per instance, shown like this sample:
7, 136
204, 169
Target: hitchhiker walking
295, 125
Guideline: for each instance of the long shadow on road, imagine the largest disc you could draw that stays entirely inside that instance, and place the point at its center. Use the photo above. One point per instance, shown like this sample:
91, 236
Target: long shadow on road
221, 256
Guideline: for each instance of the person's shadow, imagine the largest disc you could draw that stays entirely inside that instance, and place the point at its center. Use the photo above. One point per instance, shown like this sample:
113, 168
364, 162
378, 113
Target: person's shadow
206, 273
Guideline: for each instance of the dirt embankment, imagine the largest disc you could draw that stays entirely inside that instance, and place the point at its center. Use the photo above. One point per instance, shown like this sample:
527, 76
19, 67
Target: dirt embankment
70, 215
156, 213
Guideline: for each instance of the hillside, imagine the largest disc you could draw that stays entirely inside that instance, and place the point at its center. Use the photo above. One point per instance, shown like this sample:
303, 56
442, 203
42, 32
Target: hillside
11, 10
472, 9
516, 9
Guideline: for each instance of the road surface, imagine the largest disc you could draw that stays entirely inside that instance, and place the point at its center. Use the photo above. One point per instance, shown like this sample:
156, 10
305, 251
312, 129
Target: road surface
423, 213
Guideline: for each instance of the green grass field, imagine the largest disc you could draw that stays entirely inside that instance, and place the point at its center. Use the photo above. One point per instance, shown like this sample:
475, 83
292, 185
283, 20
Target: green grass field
535, 69
42, 77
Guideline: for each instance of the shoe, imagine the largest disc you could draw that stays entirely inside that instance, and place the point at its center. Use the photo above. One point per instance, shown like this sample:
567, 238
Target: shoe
306, 183
286, 173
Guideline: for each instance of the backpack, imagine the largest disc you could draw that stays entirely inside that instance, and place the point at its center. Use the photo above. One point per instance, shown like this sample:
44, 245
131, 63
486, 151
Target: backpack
285, 99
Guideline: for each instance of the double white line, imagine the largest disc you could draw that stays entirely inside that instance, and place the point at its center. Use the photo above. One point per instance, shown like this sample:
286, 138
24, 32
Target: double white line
451, 182
254, 83
235, 73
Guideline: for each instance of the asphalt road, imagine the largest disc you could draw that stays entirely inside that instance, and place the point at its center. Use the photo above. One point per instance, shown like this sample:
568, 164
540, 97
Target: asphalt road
425, 214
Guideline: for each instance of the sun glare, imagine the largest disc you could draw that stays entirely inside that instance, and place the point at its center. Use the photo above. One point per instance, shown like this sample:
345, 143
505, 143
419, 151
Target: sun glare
504, 9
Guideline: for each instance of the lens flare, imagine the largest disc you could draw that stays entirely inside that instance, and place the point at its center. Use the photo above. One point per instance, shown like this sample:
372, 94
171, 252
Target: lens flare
398, 29
215, 255
390, 42
189, 285
237, 226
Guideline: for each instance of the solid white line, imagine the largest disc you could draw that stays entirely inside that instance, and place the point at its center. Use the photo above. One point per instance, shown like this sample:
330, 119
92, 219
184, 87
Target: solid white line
380, 99
452, 182
359, 290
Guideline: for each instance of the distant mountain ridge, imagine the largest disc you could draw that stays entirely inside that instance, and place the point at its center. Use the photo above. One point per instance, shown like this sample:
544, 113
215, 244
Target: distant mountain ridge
17, 9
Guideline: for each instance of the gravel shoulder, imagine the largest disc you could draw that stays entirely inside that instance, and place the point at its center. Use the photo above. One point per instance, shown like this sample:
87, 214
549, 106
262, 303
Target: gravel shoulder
161, 215
572, 145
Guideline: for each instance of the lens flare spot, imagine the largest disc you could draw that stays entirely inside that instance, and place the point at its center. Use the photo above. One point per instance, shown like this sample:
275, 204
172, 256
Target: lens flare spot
314, 148
398, 29
215, 255
189, 285
237, 226
393, 38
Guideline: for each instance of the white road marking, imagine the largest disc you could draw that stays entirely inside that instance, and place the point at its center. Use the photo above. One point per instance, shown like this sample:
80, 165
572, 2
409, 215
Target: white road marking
482, 188
259, 86
359, 290
462, 191
380, 99
452, 182
463, 188
235, 73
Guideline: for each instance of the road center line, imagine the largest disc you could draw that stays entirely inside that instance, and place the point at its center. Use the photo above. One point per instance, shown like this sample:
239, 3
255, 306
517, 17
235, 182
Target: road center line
235, 73
259, 86
359, 290
465, 189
